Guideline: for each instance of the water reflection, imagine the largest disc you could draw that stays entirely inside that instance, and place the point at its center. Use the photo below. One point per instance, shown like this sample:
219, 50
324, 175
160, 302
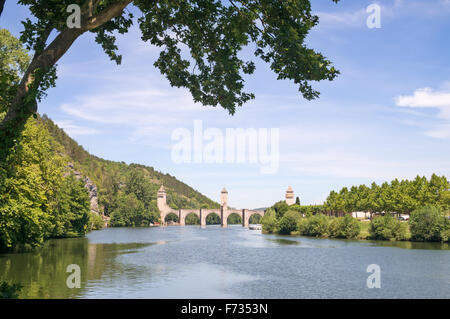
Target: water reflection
411, 245
190, 262
283, 241
43, 271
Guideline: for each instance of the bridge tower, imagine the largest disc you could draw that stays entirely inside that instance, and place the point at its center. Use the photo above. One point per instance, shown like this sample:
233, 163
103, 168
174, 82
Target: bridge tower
290, 196
224, 199
161, 199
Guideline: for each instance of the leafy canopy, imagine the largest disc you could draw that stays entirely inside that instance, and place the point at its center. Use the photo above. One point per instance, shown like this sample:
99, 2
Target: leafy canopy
200, 40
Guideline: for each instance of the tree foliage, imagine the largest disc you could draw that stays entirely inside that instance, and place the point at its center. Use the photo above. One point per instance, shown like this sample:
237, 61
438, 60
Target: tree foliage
114, 178
131, 212
14, 60
387, 228
429, 224
9, 291
36, 201
71, 212
400, 197
288, 223
344, 227
200, 42
269, 221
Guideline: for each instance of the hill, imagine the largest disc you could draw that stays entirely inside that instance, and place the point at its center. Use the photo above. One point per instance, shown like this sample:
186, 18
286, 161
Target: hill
110, 177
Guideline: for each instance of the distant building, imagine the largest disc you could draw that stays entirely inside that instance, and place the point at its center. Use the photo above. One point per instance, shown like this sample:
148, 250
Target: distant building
290, 197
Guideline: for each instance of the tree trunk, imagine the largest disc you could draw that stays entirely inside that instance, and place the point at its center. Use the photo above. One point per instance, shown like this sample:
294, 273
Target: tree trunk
23, 106
2, 4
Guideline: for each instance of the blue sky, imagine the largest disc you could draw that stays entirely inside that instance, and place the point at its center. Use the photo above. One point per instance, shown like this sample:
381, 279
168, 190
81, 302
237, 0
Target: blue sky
386, 116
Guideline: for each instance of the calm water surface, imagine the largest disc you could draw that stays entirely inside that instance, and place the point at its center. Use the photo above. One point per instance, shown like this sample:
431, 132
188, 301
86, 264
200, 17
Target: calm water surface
215, 262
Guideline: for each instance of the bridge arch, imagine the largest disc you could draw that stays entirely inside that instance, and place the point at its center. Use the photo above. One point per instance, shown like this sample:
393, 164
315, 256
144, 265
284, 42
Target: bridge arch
234, 219
171, 216
223, 212
226, 213
248, 213
206, 212
192, 219
184, 212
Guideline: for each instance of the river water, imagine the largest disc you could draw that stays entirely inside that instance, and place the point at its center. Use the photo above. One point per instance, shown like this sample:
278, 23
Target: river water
233, 262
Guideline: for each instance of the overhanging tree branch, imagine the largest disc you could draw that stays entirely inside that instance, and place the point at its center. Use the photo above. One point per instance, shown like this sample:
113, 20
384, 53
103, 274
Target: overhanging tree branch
2, 4
44, 59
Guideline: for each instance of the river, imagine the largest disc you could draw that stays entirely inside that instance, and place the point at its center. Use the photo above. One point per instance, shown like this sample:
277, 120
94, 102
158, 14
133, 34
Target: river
233, 262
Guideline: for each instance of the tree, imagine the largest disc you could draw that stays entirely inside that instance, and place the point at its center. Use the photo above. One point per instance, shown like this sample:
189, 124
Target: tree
192, 219
212, 31
234, 219
139, 184
29, 181
280, 208
387, 228
71, 214
429, 224
269, 221
288, 223
344, 227
213, 219
131, 212
9, 291
317, 226
297, 201
13, 62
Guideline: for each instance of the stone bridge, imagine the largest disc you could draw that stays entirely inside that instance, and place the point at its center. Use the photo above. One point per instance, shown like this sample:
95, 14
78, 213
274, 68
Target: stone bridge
223, 212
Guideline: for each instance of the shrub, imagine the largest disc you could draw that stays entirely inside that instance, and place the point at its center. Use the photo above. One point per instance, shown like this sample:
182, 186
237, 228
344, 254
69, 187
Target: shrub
344, 227
288, 223
8, 291
269, 221
387, 228
429, 224
302, 226
97, 221
317, 226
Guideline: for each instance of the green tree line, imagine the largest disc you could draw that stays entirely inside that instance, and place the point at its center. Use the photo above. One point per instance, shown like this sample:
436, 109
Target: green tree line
401, 197
39, 196
426, 223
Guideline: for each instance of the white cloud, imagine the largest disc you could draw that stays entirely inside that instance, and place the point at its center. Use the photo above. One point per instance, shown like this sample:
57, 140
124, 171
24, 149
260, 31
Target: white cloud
75, 130
144, 107
348, 164
343, 19
429, 98
357, 18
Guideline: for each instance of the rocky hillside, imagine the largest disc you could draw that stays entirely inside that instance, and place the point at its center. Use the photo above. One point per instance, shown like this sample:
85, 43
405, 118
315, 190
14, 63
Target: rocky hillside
104, 179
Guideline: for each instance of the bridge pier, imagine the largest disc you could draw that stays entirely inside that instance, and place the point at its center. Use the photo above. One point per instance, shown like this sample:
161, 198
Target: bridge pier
223, 217
245, 218
202, 218
181, 218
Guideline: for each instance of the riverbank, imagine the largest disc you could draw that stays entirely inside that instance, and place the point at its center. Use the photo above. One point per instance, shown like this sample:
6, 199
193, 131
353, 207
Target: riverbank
428, 224
363, 235
233, 262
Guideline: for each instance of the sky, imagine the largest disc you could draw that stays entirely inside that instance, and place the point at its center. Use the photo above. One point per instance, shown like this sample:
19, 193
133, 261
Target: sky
386, 116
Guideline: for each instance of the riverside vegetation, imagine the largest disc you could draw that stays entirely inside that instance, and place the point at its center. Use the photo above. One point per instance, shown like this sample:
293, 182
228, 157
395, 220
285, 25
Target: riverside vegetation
426, 201
428, 223
41, 197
